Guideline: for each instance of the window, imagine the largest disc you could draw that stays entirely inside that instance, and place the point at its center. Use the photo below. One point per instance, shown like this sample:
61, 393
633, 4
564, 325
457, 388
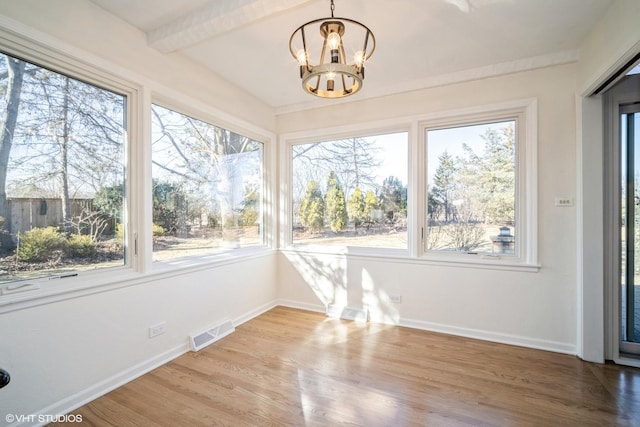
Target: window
351, 192
62, 157
207, 187
471, 188
481, 192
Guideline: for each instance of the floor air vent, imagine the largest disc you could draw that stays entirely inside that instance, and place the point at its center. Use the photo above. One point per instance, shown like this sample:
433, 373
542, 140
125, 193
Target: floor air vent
204, 338
347, 313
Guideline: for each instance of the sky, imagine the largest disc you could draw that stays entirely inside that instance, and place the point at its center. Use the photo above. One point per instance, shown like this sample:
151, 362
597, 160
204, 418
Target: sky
395, 155
452, 140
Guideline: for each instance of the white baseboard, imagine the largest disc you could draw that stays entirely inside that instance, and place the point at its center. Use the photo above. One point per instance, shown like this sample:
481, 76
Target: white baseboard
318, 308
68, 404
254, 313
518, 340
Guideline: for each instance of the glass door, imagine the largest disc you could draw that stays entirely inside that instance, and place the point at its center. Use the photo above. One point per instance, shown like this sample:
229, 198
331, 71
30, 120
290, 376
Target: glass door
630, 230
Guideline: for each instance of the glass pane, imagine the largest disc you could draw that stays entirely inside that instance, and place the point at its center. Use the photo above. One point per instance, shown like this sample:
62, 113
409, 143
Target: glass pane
624, 214
630, 231
351, 192
471, 188
61, 173
634, 295
207, 187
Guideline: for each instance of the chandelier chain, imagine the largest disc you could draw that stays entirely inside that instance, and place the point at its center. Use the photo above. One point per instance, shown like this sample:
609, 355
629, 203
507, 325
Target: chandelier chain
333, 6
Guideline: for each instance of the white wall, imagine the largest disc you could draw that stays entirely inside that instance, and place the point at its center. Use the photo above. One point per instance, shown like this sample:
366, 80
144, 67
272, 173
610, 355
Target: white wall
534, 309
62, 353
613, 41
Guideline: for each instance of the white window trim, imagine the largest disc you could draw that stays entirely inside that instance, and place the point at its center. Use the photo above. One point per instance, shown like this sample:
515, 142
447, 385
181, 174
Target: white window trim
288, 140
81, 69
525, 112
206, 115
32, 45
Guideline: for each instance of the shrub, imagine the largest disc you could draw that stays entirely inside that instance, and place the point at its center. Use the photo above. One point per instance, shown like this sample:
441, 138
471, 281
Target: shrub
120, 233
80, 246
157, 230
39, 244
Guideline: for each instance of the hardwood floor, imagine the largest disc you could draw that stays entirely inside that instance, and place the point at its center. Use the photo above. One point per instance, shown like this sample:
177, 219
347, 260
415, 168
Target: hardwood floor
296, 368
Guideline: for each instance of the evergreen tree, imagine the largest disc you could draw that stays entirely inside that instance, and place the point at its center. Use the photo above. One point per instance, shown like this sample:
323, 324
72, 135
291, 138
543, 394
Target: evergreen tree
167, 201
486, 181
357, 208
497, 175
312, 208
336, 209
108, 203
393, 197
370, 204
433, 207
444, 185
249, 214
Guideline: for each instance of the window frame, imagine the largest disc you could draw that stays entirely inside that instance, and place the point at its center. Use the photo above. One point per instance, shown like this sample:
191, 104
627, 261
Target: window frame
526, 113
287, 141
210, 119
138, 91
78, 69
526, 196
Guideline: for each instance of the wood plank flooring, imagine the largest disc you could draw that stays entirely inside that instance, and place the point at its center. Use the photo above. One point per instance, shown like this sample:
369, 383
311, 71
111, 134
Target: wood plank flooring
289, 367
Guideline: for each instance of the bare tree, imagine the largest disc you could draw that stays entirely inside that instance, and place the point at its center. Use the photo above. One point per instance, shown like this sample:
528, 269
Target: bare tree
354, 162
208, 162
13, 89
75, 138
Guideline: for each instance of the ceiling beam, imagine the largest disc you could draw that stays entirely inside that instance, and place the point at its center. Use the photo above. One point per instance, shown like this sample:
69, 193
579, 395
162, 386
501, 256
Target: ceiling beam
213, 19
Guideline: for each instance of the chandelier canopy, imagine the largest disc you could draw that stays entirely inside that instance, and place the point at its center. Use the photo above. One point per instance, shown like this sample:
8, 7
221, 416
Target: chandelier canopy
333, 76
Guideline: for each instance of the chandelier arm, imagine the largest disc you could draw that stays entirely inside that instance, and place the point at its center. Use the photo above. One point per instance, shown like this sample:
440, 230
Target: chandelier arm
323, 52
373, 40
291, 43
343, 55
304, 48
343, 60
364, 48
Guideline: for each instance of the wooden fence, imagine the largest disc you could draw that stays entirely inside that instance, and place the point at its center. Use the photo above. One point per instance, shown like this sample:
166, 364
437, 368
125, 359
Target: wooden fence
28, 213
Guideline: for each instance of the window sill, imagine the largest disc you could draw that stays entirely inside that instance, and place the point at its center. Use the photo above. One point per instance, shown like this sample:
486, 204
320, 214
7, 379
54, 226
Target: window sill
348, 250
46, 291
399, 255
481, 261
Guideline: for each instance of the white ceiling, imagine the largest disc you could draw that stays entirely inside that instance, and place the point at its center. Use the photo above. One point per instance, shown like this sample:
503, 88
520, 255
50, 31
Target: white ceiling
419, 43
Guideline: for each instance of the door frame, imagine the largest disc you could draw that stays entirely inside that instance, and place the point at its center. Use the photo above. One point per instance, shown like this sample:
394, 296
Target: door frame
626, 91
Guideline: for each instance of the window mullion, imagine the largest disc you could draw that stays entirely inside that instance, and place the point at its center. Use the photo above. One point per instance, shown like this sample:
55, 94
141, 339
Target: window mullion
140, 185
417, 190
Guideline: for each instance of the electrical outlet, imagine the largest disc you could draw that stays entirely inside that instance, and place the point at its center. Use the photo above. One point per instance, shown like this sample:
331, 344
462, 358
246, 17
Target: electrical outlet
564, 201
158, 329
396, 299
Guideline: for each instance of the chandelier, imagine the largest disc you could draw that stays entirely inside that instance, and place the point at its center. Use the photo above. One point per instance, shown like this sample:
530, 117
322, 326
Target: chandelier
332, 76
